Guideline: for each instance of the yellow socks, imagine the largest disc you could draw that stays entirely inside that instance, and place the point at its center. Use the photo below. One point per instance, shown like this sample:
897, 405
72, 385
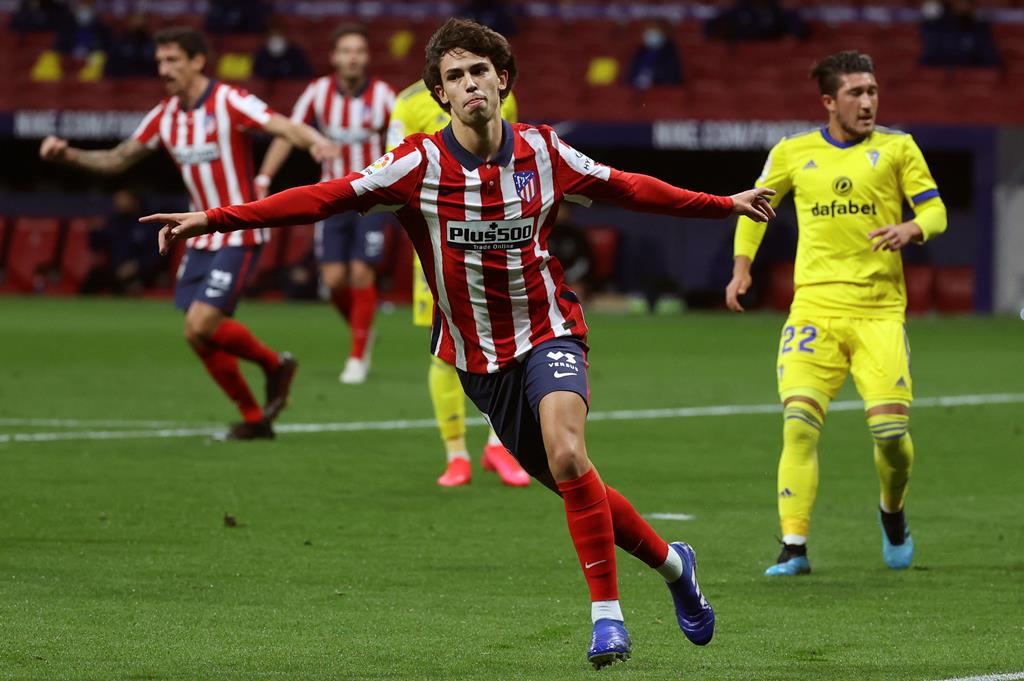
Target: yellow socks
798, 470
449, 401
894, 457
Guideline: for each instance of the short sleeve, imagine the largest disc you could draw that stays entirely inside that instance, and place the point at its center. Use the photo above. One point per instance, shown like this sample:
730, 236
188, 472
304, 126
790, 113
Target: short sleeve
247, 111
148, 132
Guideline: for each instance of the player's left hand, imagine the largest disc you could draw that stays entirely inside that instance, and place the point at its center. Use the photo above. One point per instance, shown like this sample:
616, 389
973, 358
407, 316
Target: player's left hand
895, 237
178, 226
754, 203
324, 151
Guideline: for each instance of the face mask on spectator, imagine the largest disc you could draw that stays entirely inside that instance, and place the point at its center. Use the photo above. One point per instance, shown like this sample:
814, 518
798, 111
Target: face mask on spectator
277, 45
653, 38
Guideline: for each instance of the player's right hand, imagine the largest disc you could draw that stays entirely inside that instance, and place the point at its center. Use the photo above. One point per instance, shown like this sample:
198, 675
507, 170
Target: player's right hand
53, 148
738, 285
178, 226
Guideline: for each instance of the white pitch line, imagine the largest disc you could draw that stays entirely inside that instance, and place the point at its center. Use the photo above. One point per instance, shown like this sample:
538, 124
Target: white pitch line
670, 516
416, 424
1015, 676
93, 423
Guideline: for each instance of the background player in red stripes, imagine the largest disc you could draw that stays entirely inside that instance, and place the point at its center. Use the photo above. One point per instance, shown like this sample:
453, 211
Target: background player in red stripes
353, 109
203, 124
478, 199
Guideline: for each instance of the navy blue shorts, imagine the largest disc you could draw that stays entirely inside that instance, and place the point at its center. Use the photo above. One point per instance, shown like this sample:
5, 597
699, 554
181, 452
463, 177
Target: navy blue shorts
350, 236
215, 277
511, 399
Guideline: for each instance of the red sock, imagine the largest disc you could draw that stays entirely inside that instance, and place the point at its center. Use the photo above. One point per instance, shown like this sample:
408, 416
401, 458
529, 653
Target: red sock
223, 367
364, 307
233, 337
341, 298
633, 534
590, 526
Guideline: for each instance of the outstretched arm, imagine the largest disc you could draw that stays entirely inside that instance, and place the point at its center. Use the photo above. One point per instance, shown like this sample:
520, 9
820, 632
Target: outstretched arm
105, 161
651, 195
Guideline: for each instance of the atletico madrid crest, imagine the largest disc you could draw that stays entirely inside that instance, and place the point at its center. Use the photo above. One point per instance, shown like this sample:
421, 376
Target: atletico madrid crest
526, 185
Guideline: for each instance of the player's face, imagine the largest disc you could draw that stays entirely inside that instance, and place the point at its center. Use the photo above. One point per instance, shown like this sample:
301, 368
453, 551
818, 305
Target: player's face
471, 85
176, 68
855, 105
351, 57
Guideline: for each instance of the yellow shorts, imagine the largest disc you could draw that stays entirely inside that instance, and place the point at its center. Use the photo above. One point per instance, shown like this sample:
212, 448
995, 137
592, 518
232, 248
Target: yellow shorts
818, 352
422, 298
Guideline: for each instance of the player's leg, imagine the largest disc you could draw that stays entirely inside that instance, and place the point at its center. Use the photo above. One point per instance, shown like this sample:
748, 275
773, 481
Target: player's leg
220, 341
812, 365
881, 369
450, 411
364, 246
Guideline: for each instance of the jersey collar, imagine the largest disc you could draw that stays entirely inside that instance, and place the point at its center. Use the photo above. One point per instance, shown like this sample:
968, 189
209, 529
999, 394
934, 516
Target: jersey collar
201, 102
355, 95
470, 161
836, 143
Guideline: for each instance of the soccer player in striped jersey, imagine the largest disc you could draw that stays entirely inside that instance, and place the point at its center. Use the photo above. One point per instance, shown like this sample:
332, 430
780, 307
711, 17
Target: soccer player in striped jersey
417, 111
203, 124
850, 179
353, 109
478, 199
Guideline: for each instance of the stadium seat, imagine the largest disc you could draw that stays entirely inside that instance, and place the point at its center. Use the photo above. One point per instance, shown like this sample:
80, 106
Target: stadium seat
920, 286
264, 278
780, 286
603, 242
32, 254
77, 259
954, 289
298, 243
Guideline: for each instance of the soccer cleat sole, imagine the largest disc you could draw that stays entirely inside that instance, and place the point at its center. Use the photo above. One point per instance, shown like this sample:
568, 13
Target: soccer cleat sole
602, 660
793, 567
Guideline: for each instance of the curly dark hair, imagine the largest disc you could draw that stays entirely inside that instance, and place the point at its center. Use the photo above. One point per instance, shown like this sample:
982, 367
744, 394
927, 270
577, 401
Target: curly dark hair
467, 35
829, 70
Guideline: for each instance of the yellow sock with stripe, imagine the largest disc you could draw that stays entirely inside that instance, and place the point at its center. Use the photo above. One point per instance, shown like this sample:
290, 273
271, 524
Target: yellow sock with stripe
449, 402
798, 470
894, 457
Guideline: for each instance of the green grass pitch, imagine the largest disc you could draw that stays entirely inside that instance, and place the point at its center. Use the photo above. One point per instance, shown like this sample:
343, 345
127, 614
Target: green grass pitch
348, 562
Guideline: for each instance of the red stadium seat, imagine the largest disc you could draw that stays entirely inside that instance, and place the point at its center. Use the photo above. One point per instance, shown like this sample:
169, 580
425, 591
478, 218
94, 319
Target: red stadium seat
32, 254
298, 243
77, 259
780, 286
920, 286
264, 277
954, 289
603, 242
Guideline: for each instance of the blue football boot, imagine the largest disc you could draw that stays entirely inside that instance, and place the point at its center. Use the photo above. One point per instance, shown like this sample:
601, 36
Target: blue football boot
897, 556
791, 562
610, 643
693, 612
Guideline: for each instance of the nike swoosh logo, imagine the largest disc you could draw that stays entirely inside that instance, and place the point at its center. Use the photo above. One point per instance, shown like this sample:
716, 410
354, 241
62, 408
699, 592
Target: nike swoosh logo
587, 566
559, 374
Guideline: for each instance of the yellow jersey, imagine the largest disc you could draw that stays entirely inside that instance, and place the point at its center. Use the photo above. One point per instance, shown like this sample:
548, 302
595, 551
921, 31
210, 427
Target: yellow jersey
416, 111
842, 191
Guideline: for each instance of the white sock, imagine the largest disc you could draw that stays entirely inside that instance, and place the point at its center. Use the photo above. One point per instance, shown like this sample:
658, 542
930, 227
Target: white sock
605, 610
493, 439
458, 454
794, 539
672, 568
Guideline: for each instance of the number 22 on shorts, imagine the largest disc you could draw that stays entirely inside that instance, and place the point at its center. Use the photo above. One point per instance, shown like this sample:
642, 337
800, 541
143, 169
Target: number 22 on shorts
807, 334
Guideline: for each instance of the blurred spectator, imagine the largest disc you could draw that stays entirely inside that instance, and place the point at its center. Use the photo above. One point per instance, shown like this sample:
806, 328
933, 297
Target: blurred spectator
569, 244
756, 20
495, 14
131, 53
953, 36
237, 16
133, 262
82, 32
280, 58
39, 15
656, 61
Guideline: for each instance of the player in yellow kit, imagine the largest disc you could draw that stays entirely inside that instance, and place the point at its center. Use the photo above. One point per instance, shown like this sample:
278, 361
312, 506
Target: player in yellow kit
849, 180
416, 111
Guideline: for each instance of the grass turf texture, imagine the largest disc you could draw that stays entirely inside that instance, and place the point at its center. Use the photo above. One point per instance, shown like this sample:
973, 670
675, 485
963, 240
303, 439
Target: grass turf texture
349, 562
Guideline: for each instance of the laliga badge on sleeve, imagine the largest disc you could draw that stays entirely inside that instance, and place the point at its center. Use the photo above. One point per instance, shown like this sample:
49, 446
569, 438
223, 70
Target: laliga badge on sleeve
378, 165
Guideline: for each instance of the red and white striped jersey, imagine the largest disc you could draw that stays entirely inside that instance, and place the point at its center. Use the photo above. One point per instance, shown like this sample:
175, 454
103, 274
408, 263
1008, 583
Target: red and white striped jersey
358, 124
211, 148
481, 230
